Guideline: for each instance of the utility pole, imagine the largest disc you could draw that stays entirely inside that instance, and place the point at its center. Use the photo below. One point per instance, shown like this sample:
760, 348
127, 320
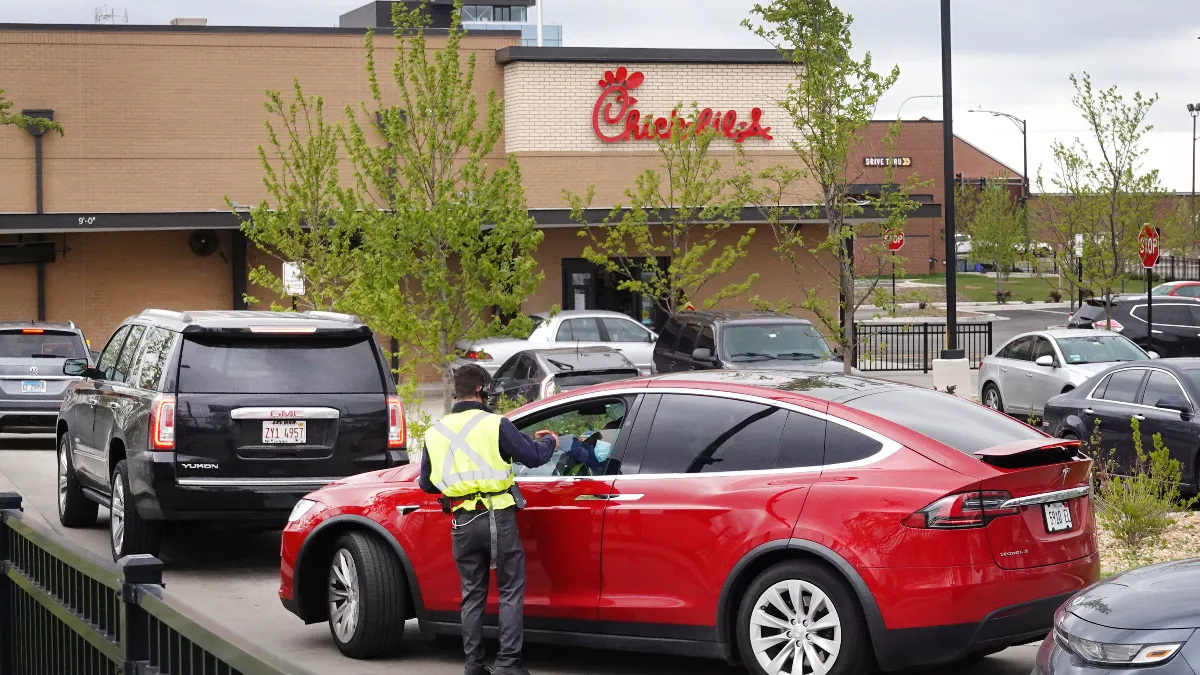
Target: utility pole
951, 351
1194, 109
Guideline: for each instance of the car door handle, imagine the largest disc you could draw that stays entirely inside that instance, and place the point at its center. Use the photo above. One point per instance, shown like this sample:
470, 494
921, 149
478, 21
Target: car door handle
405, 510
608, 498
1140, 418
1156, 332
1089, 411
1028, 374
1004, 370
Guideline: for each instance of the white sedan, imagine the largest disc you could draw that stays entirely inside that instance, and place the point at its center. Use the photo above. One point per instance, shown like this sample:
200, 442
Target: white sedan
1031, 368
573, 328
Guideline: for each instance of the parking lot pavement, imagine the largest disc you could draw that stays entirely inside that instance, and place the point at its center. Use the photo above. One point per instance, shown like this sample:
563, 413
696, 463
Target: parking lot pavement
233, 579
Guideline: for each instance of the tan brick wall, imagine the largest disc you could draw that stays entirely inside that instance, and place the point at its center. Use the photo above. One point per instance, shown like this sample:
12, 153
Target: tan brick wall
171, 121
548, 106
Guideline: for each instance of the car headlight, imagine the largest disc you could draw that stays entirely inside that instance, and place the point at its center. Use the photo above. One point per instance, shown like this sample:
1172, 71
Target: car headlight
302, 507
1115, 654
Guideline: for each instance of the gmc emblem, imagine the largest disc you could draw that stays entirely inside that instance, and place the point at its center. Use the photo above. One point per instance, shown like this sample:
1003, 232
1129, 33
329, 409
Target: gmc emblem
285, 413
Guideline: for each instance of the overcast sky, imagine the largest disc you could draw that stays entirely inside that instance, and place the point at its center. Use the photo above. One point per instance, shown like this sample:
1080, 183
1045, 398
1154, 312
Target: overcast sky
1013, 56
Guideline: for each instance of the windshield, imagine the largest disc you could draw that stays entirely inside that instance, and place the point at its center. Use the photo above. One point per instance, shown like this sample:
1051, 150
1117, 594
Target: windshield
47, 344
785, 341
1099, 349
1163, 289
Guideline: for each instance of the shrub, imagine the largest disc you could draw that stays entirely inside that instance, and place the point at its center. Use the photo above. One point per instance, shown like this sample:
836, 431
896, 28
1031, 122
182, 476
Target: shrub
1003, 296
1056, 296
1136, 508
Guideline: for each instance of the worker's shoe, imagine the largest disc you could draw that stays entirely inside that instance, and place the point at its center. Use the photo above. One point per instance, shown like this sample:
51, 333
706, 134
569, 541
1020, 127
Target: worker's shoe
481, 670
510, 670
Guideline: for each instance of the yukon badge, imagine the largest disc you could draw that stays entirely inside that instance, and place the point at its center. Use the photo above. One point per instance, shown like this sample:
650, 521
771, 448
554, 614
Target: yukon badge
198, 466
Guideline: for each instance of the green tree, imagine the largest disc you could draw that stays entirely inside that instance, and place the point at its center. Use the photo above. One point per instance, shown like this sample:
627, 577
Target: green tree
680, 211
1106, 195
831, 101
7, 117
308, 217
996, 223
446, 233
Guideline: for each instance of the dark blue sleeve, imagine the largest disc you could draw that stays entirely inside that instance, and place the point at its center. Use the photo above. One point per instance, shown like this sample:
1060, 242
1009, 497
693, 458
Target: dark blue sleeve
582, 454
423, 480
519, 448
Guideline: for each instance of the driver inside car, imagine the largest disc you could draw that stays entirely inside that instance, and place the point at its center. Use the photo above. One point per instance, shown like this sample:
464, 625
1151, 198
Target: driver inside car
588, 454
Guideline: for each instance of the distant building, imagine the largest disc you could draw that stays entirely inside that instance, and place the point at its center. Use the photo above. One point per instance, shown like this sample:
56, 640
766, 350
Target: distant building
506, 15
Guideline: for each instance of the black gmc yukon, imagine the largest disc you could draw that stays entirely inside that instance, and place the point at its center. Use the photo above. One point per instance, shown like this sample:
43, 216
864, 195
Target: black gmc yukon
221, 416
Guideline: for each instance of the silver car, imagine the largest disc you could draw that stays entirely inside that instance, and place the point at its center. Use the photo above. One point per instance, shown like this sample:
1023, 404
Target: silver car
1029, 369
32, 383
573, 328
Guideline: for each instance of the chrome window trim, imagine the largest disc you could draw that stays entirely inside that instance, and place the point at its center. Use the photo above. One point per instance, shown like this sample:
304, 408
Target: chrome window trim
254, 482
1047, 497
302, 413
1135, 308
889, 446
1091, 394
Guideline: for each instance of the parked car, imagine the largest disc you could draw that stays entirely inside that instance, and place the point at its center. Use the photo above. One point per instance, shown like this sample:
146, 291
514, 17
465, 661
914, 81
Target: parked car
1176, 322
227, 417
574, 328
1186, 289
539, 373
795, 522
962, 244
1142, 621
742, 340
32, 384
1161, 394
1030, 368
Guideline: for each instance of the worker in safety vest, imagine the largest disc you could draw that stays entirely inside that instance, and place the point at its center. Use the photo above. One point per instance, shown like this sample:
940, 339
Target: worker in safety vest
468, 460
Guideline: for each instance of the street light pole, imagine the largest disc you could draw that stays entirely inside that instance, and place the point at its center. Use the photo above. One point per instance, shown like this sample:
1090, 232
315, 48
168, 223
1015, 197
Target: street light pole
1194, 109
951, 351
905, 101
1023, 127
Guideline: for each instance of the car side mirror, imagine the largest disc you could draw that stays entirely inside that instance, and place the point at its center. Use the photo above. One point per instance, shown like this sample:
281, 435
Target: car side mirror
1175, 403
1153, 355
702, 354
75, 367
1047, 361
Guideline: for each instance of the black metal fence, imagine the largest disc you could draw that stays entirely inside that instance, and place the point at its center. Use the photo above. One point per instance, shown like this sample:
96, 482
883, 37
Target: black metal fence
64, 611
914, 346
1172, 268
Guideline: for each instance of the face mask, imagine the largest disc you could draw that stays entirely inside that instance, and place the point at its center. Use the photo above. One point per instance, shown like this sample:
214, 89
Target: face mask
602, 451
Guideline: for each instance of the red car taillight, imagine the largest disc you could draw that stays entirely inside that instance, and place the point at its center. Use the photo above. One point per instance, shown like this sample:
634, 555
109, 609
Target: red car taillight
960, 511
477, 355
162, 423
397, 429
1114, 326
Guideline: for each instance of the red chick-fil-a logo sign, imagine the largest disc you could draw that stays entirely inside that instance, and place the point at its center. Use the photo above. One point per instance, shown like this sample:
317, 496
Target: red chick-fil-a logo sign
615, 119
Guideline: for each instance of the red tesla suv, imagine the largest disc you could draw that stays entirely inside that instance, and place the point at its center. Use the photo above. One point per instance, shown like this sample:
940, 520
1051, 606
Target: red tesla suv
793, 523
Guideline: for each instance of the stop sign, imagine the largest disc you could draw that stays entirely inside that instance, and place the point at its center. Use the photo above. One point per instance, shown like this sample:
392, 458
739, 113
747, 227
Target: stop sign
1148, 245
895, 241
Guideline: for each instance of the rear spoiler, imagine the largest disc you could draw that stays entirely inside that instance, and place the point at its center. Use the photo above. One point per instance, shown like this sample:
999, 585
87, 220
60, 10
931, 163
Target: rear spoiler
278, 331
1026, 453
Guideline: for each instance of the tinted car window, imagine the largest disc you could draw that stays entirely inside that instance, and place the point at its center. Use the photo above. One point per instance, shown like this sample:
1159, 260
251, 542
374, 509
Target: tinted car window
803, 443
706, 339
620, 330
702, 434
1018, 349
670, 334
960, 424
1167, 314
1123, 385
687, 339
843, 444
108, 358
1099, 349
1158, 386
572, 423
156, 349
47, 344
523, 368
1190, 291
281, 366
125, 362
1042, 347
579, 330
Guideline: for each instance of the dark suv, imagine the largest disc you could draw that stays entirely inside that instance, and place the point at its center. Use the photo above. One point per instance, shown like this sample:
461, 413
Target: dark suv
1176, 322
742, 340
32, 383
221, 416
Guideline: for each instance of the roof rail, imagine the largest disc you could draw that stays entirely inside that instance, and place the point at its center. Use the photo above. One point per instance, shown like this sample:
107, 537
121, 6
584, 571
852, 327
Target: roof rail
334, 316
178, 316
71, 324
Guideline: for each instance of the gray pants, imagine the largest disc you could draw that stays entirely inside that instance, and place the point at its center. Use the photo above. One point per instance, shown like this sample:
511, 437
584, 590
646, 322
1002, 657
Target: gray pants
471, 541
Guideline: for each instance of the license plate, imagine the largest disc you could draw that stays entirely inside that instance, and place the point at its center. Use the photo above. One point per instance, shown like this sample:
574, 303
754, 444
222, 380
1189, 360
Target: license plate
33, 386
1058, 517
284, 431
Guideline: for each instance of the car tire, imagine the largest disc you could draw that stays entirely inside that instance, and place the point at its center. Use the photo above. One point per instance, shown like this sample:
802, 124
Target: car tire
367, 595
74, 509
765, 618
992, 398
128, 532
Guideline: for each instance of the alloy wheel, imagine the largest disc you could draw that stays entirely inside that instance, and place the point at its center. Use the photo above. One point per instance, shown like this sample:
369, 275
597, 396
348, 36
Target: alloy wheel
116, 518
991, 399
343, 595
62, 480
795, 629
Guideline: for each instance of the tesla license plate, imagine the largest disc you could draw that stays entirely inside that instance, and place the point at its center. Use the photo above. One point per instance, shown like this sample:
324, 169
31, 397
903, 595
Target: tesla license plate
33, 386
1058, 517
284, 432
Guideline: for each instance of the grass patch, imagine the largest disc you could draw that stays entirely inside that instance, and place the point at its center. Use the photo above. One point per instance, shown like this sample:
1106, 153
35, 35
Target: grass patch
974, 287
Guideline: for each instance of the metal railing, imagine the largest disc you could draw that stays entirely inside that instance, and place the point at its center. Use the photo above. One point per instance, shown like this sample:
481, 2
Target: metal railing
914, 346
65, 611
1172, 268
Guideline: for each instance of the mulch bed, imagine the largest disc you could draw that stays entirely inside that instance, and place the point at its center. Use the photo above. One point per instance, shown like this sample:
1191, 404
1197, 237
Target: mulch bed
1181, 541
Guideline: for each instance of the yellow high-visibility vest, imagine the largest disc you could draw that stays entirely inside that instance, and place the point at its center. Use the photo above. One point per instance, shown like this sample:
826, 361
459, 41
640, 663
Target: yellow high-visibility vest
464, 458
